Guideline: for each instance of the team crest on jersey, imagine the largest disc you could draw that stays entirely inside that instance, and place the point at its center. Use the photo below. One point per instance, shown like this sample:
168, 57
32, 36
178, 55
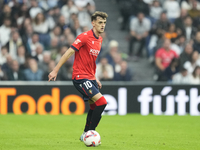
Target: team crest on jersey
90, 91
77, 41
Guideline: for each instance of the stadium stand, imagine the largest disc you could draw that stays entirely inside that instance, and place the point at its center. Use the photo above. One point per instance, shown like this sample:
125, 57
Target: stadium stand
34, 35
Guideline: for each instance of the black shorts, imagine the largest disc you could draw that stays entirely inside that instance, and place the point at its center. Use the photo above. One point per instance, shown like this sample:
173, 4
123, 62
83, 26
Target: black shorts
88, 88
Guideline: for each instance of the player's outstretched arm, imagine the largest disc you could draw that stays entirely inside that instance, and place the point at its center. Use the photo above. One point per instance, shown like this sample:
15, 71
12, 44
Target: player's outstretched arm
53, 74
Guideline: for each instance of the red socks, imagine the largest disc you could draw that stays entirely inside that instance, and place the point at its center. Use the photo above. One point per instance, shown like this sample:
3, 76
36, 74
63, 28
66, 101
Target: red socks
101, 101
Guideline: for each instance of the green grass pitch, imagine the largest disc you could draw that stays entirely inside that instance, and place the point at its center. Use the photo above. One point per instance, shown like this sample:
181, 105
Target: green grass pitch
130, 132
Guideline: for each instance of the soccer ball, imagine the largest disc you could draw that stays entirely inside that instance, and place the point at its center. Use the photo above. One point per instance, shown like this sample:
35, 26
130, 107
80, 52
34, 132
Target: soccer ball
92, 138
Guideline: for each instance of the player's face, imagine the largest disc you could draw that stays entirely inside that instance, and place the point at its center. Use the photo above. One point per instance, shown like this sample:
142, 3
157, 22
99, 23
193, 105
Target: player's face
99, 24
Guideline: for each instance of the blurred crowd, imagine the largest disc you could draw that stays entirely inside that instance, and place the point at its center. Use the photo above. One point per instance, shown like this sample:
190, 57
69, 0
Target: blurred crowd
34, 34
169, 31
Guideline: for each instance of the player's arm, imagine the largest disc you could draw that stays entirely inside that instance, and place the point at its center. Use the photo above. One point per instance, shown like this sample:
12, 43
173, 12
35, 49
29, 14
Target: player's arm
64, 58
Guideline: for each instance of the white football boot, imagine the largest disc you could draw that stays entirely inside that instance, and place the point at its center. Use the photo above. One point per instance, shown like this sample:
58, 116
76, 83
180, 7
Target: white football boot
81, 138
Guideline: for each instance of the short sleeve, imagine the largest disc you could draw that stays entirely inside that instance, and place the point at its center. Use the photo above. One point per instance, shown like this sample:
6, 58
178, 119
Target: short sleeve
79, 42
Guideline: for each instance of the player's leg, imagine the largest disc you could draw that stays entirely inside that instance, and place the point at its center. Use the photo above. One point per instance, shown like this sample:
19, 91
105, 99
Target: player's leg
80, 87
89, 115
100, 103
88, 119
89, 89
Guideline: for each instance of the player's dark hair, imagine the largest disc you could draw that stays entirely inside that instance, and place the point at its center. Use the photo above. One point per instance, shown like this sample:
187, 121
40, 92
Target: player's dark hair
100, 14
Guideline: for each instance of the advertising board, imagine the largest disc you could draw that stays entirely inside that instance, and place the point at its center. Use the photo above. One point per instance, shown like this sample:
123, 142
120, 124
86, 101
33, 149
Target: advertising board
122, 99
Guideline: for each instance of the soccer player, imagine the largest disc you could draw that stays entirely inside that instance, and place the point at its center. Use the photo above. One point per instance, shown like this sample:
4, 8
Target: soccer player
86, 48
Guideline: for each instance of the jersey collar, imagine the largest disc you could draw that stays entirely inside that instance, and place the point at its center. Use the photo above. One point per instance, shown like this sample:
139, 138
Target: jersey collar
94, 34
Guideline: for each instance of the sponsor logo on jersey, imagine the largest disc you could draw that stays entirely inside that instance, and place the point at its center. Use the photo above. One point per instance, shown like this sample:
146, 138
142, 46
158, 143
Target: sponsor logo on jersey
77, 41
94, 52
